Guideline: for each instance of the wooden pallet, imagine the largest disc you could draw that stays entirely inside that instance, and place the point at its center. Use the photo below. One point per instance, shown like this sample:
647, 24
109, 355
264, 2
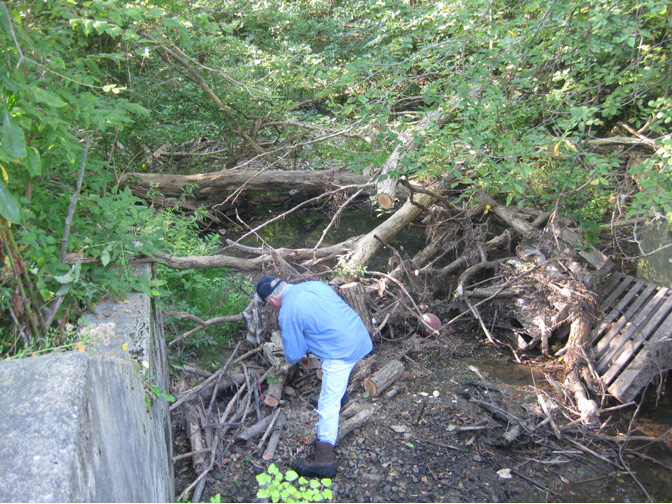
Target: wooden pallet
633, 342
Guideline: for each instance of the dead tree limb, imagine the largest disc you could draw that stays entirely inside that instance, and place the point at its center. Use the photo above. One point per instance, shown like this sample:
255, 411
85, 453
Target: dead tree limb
207, 185
170, 54
365, 248
387, 185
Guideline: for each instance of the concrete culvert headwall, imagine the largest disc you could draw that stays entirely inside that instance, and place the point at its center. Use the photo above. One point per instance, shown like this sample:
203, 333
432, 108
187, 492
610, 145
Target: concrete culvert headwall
75, 425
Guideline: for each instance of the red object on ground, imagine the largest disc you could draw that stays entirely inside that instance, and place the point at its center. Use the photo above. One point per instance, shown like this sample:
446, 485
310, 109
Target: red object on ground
432, 321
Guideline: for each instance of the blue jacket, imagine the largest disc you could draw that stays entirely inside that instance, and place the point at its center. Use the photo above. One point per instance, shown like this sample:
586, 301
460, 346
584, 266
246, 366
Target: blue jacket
314, 318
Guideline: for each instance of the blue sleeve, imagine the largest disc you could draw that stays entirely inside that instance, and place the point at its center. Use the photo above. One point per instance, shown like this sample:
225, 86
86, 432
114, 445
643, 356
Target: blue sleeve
293, 341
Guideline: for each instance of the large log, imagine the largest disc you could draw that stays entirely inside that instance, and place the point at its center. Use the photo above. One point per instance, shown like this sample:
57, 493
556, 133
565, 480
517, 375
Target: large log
208, 185
383, 378
366, 247
346, 425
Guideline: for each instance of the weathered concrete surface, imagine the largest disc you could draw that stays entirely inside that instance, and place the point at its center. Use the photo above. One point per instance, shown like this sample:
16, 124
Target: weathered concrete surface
75, 427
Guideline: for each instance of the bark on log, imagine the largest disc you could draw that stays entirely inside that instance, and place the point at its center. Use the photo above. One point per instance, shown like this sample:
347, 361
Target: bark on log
196, 439
353, 294
579, 339
273, 441
508, 215
275, 387
346, 426
383, 378
355, 422
208, 185
255, 430
369, 244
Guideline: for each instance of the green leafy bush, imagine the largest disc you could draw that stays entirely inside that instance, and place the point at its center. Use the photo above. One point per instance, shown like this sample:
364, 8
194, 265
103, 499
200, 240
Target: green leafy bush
290, 487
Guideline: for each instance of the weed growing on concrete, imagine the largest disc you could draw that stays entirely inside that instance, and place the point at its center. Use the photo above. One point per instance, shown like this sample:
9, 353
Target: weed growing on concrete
153, 391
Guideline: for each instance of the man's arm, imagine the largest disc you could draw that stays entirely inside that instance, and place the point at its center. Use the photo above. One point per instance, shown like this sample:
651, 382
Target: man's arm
293, 341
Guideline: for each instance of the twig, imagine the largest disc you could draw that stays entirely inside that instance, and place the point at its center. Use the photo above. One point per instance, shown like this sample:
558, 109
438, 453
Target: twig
535, 483
202, 324
594, 454
223, 370
494, 295
276, 413
335, 217
190, 454
73, 203
480, 321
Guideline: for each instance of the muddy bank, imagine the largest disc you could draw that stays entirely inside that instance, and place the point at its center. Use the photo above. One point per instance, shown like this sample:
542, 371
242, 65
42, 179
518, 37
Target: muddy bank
441, 439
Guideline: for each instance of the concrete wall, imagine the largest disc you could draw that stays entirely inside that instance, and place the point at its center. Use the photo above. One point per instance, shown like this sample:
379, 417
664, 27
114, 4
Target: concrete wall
75, 427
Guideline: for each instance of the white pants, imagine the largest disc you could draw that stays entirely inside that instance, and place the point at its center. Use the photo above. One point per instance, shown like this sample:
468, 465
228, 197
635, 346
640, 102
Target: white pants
335, 375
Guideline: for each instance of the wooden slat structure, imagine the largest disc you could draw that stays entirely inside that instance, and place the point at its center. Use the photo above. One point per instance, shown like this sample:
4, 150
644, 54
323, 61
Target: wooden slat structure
633, 341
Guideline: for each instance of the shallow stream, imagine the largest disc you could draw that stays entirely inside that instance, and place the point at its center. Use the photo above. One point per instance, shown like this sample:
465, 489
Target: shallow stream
651, 421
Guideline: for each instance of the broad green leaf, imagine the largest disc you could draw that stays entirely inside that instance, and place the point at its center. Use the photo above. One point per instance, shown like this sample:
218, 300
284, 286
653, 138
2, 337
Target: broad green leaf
44, 96
13, 137
64, 289
9, 205
68, 277
105, 257
172, 23
34, 164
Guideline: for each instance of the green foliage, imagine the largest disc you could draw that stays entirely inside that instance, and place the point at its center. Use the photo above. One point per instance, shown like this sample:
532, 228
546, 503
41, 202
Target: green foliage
290, 487
153, 391
524, 87
58, 340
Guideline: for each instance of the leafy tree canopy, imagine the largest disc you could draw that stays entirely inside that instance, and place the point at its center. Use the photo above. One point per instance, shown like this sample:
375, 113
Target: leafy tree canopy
524, 87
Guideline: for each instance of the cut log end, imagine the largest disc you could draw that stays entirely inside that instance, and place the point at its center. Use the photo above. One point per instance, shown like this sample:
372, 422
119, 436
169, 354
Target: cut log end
271, 401
385, 200
383, 378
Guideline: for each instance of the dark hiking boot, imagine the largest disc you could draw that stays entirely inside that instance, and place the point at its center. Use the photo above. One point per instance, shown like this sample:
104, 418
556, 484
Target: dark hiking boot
314, 400
323, 464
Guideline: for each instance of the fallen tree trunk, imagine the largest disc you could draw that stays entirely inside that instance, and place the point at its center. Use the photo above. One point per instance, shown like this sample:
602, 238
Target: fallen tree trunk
365, 248
575, 360
307, 256
208, 185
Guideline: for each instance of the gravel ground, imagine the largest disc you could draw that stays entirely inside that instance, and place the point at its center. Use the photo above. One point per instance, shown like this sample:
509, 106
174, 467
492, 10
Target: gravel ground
432, 442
